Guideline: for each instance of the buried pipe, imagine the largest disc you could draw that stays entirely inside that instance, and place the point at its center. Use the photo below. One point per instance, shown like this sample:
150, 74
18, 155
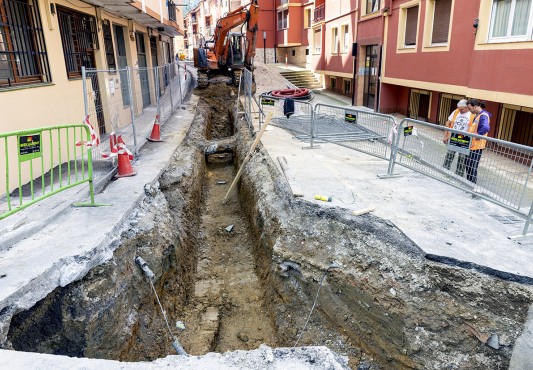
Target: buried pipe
146, 269
333, 265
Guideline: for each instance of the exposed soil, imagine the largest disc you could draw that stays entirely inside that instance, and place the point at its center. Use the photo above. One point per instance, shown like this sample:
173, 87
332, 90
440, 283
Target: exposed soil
385, 306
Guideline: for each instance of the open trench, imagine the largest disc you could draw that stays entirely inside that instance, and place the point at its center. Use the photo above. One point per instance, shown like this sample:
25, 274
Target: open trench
248, 272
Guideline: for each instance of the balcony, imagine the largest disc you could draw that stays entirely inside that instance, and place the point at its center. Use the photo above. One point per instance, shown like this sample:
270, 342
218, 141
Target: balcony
171, 11
319, 13
193, 19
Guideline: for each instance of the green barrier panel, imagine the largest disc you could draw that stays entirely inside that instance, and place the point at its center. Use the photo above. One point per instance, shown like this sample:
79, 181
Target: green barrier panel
56, 155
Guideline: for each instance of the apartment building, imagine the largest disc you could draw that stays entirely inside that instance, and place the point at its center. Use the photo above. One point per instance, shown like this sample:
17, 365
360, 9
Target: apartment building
439, 51
43, 46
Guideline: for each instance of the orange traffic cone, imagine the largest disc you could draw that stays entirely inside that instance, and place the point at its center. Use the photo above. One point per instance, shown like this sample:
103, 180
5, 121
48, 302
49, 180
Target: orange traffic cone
156, 133
124, 164
120, 142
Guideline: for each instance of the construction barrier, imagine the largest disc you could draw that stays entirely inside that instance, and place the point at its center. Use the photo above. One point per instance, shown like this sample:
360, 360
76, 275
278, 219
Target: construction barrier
355, 129
127, 100
503, 172
502, 175
299, 120
42, 162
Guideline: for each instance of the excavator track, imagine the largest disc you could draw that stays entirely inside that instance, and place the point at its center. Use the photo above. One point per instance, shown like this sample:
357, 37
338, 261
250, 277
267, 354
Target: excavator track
203, 80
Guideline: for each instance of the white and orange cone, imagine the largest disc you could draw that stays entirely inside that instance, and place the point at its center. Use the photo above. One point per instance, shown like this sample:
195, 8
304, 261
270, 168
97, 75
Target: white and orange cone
156, 132
120, 142
124, 163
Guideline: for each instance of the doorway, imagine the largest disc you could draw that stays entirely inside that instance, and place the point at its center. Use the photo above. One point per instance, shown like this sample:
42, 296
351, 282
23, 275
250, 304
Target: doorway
371, 76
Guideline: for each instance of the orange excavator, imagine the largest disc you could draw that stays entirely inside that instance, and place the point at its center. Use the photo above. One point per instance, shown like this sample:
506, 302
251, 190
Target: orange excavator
228, 53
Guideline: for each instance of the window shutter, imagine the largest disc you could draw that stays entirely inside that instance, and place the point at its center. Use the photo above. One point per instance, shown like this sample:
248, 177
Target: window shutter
441, 21
410, 25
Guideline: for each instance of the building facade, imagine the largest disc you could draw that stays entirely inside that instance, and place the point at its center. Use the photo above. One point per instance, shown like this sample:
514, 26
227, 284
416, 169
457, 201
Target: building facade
439, 51
44, 45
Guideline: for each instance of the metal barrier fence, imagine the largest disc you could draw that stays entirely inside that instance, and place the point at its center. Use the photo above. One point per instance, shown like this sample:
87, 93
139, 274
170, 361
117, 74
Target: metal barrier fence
299, 123
42, 162
245, 88
355, 129
126, 101
502, 175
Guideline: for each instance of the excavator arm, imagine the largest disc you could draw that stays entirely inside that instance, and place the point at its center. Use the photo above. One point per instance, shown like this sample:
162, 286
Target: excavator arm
234, 19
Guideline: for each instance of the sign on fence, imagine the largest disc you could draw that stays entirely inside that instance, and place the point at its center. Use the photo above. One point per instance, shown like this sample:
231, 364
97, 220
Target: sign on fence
459, 143
350, 117
29, 147
266, 101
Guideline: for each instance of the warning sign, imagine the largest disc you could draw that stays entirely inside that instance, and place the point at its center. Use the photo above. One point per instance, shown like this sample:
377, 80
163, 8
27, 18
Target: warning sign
459, 143
408, 131
268, 102
29, 147
350, 117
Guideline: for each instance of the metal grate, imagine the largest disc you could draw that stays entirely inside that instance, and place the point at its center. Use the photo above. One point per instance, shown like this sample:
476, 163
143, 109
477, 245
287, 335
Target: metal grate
79, 39
23, 57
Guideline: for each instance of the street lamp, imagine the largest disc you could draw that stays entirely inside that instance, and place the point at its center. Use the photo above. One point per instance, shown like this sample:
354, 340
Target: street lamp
264, 46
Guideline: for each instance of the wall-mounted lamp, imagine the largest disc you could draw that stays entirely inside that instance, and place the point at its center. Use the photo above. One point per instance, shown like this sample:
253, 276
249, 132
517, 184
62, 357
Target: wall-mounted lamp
53, 8
476, 24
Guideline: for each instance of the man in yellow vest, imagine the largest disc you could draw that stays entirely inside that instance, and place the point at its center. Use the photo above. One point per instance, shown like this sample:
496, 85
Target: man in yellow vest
460, 120
480, 126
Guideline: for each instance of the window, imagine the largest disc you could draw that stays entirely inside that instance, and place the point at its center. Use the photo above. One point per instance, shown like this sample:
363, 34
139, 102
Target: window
283, 19
411, 23
79, 39
511, 20
108, 45
345, 32
307, 18
317, 41
333, 83
441, 21
334, 40
122, 64
23, 57
372, 6
347, 87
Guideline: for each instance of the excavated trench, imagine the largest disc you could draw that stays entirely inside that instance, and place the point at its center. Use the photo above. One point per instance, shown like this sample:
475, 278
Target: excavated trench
248, 272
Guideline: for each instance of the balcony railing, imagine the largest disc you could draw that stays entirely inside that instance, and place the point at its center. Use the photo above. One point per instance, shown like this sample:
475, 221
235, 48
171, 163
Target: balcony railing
171, 10
319, 13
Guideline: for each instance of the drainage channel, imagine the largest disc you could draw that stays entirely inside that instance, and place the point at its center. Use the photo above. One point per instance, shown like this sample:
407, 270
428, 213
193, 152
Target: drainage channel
227, 310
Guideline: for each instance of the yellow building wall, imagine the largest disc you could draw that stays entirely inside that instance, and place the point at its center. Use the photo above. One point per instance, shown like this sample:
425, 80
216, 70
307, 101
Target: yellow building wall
61, 101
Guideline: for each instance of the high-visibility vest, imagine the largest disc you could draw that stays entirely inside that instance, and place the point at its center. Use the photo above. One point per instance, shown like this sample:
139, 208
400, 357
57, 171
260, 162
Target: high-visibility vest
455, 114
477, 144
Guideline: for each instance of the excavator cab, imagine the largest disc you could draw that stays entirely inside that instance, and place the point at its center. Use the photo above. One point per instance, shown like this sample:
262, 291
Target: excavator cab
236, 50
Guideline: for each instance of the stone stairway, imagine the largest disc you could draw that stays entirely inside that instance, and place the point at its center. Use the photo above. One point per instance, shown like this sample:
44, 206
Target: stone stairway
303, 78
